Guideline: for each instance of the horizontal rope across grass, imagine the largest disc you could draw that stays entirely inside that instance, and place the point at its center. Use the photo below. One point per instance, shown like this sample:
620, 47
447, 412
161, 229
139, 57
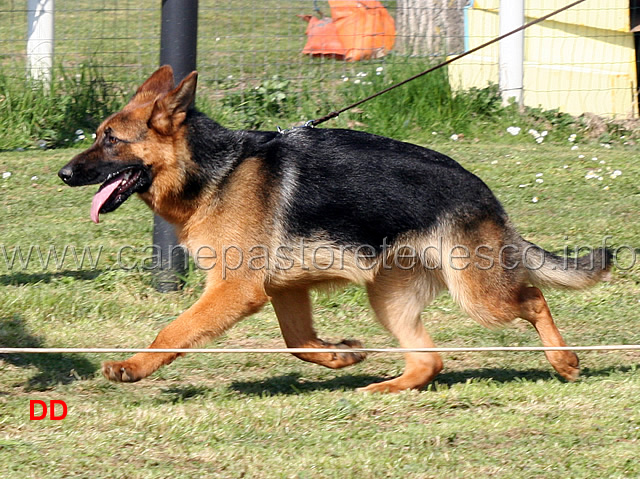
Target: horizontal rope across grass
615, 347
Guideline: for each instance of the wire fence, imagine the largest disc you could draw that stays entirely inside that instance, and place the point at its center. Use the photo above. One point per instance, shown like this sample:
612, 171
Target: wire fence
583, 61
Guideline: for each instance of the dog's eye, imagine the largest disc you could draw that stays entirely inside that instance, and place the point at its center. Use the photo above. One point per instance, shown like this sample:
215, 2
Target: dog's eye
110, 139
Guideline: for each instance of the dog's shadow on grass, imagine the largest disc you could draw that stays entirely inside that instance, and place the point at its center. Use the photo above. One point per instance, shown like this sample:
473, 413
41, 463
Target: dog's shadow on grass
293, 383
503, 376
24, 279
53, 369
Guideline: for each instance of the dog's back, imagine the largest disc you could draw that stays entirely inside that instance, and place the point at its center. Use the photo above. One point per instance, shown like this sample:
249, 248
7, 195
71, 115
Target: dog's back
356, 188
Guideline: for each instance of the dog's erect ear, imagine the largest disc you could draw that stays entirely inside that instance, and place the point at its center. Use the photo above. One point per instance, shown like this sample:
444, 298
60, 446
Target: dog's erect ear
161, 81
170, 110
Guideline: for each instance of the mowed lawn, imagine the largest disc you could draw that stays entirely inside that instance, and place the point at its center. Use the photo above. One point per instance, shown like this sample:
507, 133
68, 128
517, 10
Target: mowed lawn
259, 416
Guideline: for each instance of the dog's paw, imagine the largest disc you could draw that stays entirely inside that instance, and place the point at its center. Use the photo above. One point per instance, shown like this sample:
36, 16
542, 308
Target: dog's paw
334, 360
401, 383
377, 388
121, 372
567, 364
343, 359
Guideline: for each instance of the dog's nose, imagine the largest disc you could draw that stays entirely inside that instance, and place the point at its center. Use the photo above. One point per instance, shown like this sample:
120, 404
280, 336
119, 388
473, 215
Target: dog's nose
66, 174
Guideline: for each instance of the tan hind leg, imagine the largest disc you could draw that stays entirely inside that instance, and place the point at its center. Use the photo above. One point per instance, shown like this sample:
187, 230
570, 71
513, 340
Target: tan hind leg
494, 299
534, 308
397, 301
495, 291
293, 308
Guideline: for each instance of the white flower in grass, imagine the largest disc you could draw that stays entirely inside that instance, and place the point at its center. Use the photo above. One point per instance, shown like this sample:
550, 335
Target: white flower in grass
539, 137
535, 199
539, 180
513, 130
574, 147
454, 137
6, 174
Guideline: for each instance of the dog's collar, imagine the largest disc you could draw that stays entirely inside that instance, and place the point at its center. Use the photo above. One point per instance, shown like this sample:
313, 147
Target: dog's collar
307, 124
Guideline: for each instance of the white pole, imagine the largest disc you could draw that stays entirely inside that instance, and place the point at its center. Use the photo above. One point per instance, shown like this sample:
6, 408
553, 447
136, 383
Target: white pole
511, 51
40, 39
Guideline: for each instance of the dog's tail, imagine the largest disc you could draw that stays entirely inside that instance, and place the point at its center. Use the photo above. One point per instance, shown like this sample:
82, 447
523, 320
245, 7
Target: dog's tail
549, 270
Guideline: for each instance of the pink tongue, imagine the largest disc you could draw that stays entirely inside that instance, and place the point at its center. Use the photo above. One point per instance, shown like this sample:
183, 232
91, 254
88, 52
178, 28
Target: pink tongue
101, 197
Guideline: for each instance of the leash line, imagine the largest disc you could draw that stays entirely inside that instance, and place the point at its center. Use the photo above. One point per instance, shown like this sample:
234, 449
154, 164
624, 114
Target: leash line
613, 347
335, 114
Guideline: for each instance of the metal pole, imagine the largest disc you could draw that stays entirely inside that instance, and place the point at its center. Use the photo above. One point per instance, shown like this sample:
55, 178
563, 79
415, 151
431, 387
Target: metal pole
178, 48
512, 51
40, 28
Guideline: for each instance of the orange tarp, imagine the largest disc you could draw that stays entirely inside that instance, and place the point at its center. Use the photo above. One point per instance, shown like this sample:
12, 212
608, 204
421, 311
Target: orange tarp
357, 30
322, 38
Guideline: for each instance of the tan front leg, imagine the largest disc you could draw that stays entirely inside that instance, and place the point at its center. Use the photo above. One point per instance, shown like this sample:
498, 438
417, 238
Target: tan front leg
219, 308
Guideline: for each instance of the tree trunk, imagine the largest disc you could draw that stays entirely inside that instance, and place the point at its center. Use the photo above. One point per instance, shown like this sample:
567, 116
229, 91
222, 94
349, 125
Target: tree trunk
430, 27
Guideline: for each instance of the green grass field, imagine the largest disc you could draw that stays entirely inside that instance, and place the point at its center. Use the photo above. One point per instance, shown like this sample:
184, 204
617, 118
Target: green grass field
270, 416
488, 414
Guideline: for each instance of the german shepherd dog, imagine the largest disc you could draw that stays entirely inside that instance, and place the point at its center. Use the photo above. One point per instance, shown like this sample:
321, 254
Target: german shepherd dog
295, 210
